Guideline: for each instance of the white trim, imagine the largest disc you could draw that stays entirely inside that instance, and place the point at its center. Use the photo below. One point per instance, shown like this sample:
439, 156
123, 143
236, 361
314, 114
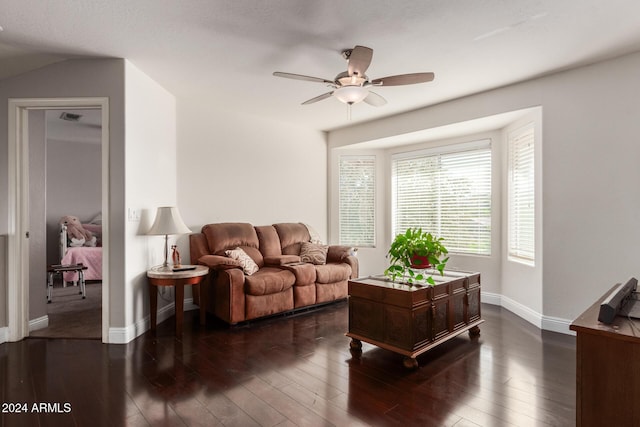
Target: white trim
18, 209
491, 298
4, 335
556, 324
119, 335
189, 305
39, 323
479, 144
522, 311
131, 332
545, 323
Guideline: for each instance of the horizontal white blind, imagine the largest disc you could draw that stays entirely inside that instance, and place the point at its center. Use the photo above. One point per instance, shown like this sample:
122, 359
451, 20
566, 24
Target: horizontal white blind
447, 194
357, 190
521, 195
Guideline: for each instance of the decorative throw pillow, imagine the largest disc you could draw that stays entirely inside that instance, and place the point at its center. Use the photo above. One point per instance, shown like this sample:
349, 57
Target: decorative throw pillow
313, 253
314, 236
248, 265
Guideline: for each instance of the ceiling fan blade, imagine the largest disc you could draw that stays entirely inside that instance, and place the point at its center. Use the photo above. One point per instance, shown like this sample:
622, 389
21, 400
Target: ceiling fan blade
359, 60
404, 79
375, 99
302, 77
318, 98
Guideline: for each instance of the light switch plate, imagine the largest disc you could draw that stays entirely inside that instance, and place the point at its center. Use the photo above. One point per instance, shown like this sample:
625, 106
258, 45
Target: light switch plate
133, 214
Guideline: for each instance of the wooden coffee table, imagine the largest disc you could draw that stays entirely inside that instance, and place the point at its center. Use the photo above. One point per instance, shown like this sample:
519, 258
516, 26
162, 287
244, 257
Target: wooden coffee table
411, 320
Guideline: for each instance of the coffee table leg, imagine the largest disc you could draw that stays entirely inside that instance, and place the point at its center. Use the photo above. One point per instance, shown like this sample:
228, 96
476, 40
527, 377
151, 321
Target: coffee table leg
153, 305
355, 347
474, 332
410, 362
179, 308
203, 309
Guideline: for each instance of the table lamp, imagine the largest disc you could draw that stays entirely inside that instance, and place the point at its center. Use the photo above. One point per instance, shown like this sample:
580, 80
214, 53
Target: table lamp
168, 221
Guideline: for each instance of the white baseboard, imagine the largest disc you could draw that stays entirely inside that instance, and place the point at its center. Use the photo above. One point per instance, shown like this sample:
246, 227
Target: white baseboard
39, 323
546, 323
189, 305
522, 311
4, 334
491, 298
128, 334
556, 324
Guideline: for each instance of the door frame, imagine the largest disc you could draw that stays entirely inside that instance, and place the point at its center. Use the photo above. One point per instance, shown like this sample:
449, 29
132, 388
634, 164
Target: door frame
18, 203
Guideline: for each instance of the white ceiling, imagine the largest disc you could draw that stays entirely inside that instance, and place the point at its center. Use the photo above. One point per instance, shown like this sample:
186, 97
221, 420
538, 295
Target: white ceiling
227, 50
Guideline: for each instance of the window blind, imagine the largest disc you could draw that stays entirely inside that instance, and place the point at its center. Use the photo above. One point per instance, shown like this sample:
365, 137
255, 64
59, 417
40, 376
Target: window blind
357, 188
521, 194
447, 194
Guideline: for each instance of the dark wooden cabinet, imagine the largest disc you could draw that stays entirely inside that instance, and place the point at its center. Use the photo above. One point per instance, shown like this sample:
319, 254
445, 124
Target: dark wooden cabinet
607, 370
413, 319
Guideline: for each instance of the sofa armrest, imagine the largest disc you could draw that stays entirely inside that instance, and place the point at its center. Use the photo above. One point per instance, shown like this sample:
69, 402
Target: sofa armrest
279, 260
218, 262
226, 295
339, 253
197, 247
353, 263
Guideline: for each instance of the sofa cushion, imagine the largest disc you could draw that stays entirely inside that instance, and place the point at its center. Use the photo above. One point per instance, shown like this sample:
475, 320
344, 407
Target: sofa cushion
230, 235
331, 273
269, 240
268, 280
280, 260
305, 273
248, 265
313, 253
291, 235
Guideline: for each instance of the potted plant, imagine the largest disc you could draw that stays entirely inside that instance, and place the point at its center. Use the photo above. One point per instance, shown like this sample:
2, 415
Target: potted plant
415, 250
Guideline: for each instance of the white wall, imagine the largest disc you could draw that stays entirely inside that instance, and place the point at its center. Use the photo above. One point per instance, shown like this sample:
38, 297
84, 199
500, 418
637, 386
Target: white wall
150, 169
74, 186
590, 173
238, 168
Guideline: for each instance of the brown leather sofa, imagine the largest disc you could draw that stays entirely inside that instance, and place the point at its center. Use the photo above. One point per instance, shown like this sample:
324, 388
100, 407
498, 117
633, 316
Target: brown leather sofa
282, 283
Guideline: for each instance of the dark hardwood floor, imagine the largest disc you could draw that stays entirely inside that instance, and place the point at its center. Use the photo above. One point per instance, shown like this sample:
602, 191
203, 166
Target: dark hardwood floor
290, 371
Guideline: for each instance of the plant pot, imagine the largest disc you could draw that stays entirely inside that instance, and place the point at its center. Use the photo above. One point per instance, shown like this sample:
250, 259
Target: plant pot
420, 261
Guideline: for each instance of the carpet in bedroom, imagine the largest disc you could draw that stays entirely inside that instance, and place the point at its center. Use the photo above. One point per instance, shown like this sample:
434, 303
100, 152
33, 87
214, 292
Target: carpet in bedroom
70, 316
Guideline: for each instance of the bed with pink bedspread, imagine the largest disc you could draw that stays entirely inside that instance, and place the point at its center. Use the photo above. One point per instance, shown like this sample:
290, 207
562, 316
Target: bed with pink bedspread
86, 255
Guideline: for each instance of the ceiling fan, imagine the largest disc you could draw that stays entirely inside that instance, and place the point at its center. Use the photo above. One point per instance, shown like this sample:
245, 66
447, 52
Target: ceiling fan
352, 86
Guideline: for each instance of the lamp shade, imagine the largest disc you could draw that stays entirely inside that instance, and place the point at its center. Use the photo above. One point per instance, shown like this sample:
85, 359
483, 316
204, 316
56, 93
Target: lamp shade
168, 221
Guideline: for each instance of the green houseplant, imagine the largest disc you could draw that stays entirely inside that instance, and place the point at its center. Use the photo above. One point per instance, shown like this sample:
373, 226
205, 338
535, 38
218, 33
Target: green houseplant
412, 252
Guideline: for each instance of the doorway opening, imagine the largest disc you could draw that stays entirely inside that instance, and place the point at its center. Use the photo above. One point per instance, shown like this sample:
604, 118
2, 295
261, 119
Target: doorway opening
27, 275
66, 224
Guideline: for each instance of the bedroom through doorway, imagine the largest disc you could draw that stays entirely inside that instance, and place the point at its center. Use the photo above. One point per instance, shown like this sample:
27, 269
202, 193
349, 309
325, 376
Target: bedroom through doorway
65, 221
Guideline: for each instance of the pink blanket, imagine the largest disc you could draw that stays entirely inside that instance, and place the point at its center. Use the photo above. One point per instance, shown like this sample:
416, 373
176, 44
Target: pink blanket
91, 257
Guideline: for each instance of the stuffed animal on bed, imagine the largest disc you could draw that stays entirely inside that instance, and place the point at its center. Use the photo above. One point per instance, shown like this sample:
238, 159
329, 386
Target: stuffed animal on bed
77, 234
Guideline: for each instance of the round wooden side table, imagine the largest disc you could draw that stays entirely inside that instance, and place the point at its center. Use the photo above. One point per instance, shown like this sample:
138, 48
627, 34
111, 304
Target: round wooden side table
178, 279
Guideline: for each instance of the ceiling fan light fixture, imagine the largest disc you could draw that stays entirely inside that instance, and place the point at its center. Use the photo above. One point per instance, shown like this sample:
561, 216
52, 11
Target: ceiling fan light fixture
351, 94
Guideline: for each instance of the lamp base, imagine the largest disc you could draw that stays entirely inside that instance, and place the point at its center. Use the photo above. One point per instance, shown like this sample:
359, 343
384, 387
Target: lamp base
163, 268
